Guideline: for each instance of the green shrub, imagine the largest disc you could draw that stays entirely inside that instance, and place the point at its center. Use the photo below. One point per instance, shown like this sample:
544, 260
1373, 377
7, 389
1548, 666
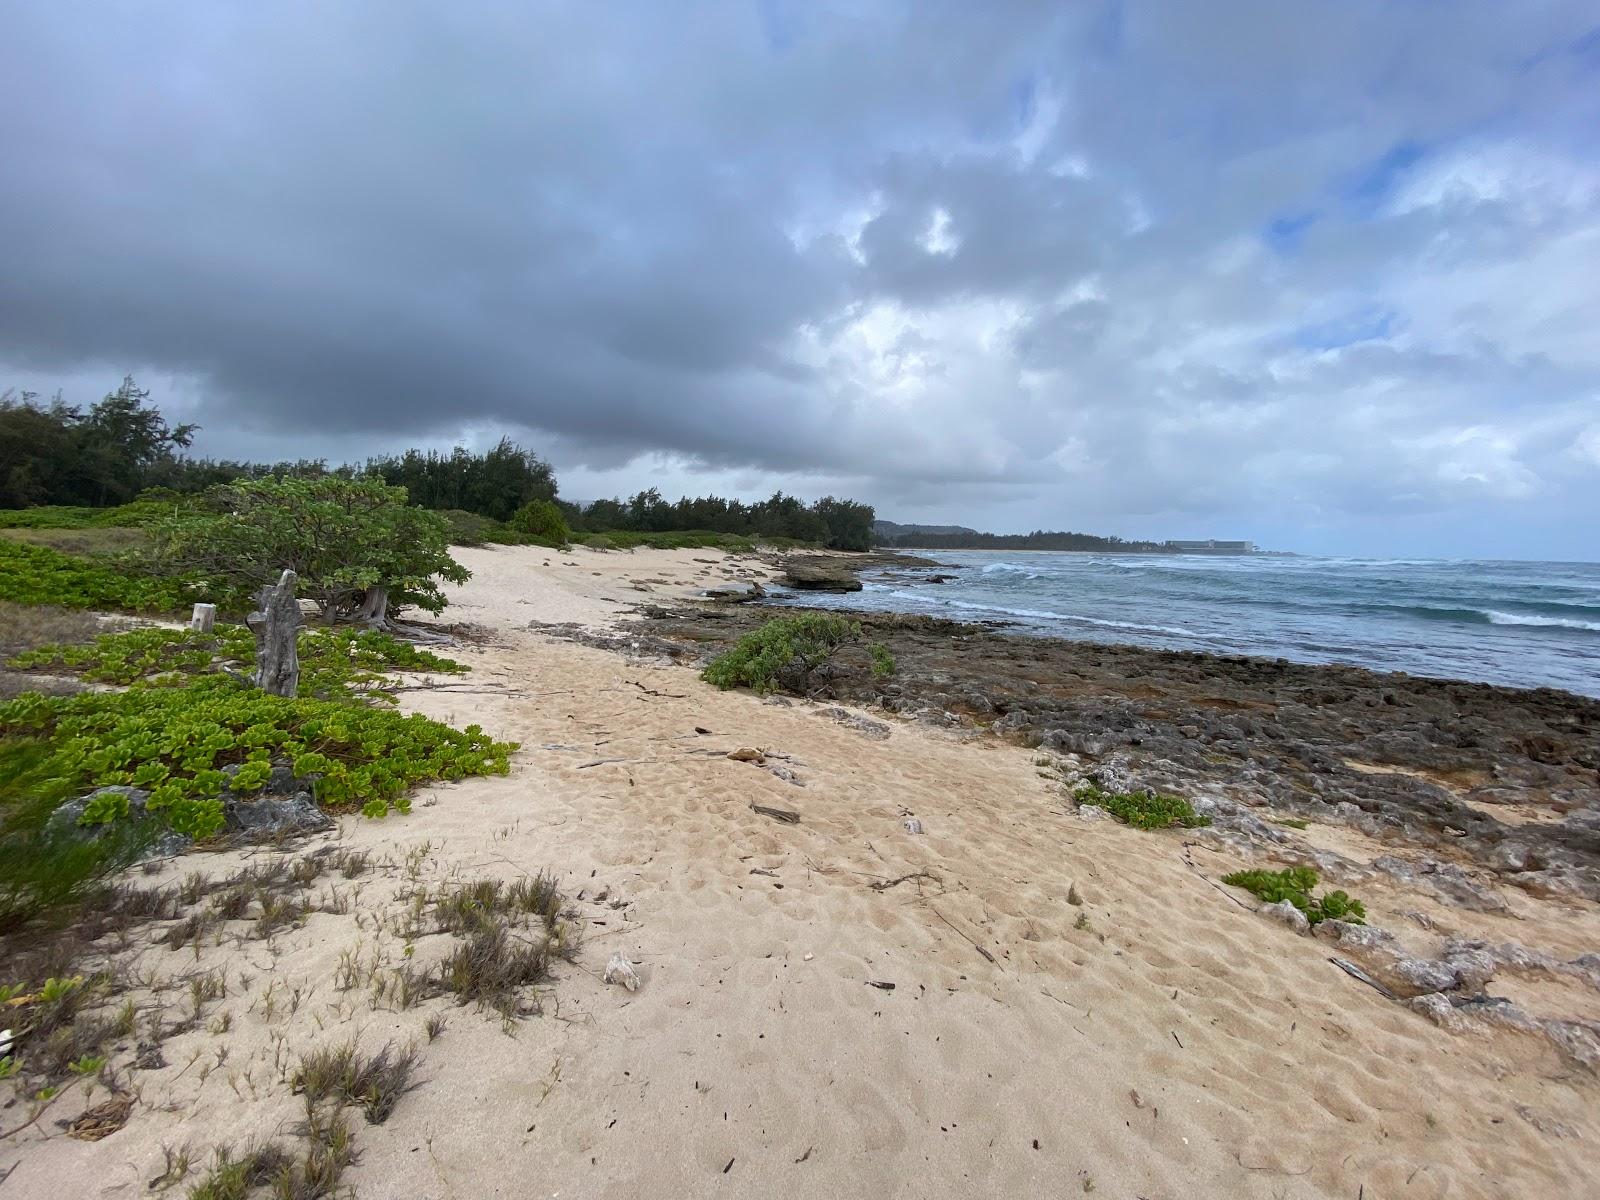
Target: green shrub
1143, 810
599, 541
38, 575
174, 742
1295, 885
782, 653
541, 522
882, 660
343, 537
469, 529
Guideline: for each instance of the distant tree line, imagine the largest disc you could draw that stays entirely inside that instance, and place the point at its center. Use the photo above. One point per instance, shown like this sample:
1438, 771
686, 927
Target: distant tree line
839, 524
55, 454
493, 484
1037, 540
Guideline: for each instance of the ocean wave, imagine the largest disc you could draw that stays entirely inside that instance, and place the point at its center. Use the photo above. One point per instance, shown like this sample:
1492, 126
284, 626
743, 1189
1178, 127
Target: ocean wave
1505, 618
1486, 616
1046, 615
1005, 568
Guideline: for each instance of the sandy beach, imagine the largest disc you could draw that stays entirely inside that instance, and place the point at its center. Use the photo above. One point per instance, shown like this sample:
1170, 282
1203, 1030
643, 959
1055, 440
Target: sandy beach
1014, 1001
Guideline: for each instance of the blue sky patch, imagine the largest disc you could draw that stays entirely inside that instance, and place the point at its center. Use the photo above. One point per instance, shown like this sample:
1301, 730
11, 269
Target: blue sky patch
1370, 323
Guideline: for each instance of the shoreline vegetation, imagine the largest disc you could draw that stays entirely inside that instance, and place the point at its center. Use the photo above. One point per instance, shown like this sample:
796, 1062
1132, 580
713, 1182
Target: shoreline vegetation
630, 881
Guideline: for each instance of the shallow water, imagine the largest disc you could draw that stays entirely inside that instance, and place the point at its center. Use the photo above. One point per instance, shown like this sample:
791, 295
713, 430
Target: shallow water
1523, 624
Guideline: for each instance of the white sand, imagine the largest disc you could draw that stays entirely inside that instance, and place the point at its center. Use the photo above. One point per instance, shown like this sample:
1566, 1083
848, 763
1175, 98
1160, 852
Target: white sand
1157, 1041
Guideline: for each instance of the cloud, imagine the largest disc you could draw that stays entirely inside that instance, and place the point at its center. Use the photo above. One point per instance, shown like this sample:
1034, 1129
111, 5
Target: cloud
1166, 269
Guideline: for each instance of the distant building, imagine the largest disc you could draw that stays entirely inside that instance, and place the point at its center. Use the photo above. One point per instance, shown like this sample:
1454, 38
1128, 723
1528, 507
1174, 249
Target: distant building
1211, 546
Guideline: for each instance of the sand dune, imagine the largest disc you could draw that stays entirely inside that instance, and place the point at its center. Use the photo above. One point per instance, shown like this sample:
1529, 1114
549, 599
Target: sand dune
1075, 1007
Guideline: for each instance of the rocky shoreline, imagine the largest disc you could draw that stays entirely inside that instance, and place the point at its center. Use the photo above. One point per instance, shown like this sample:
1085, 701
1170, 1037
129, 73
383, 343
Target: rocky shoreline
1460, 794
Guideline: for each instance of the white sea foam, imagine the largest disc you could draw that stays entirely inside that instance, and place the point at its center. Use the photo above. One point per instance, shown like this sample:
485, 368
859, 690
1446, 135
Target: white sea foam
1505, 618
1047, 615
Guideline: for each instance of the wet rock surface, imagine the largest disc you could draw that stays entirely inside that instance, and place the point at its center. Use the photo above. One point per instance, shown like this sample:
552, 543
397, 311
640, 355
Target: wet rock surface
819, 575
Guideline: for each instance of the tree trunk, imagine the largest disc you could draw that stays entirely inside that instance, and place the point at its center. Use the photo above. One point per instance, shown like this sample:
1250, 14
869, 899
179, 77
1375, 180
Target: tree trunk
276, 625
204, 618
375, 608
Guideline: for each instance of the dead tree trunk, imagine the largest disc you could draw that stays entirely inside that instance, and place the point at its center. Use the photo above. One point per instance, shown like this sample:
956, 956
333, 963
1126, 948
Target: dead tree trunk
276, 624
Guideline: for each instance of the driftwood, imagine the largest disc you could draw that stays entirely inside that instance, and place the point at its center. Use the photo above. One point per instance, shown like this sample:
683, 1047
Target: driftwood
883, 885
276, 623
204, 618
787, 816
1355, 972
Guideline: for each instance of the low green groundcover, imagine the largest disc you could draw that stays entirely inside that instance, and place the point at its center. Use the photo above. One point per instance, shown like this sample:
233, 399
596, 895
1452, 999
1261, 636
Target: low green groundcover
1143, 810
39, 575
1295, 884
174, 742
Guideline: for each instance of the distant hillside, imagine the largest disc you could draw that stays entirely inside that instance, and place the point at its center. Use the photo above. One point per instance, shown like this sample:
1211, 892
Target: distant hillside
893, 536
884, 530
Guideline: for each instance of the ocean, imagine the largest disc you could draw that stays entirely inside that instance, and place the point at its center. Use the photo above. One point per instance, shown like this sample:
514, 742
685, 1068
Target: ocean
1523, 624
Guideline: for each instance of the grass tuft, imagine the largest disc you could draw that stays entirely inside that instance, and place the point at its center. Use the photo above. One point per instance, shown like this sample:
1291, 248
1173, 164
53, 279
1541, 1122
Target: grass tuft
234, 1178
342, 1074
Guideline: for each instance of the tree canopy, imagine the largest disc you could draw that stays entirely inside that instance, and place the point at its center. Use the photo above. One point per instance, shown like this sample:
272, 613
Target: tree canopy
343, 537
57, 454
840, 524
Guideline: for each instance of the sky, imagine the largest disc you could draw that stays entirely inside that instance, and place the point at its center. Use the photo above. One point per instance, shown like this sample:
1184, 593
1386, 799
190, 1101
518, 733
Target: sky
1321, 275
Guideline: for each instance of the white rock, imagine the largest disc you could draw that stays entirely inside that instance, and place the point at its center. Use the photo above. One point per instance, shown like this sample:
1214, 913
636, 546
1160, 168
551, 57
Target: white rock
1288, 914
620, 970
912, 825
1092, 812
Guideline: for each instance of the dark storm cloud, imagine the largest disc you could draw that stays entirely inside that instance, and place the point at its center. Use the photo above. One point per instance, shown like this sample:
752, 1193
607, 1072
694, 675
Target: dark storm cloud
1094, 261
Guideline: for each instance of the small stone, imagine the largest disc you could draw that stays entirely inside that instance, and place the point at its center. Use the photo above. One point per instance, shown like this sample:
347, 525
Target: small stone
620, 970
1512, 856
911, 824
876, 730
1439, 1010
1288, 914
